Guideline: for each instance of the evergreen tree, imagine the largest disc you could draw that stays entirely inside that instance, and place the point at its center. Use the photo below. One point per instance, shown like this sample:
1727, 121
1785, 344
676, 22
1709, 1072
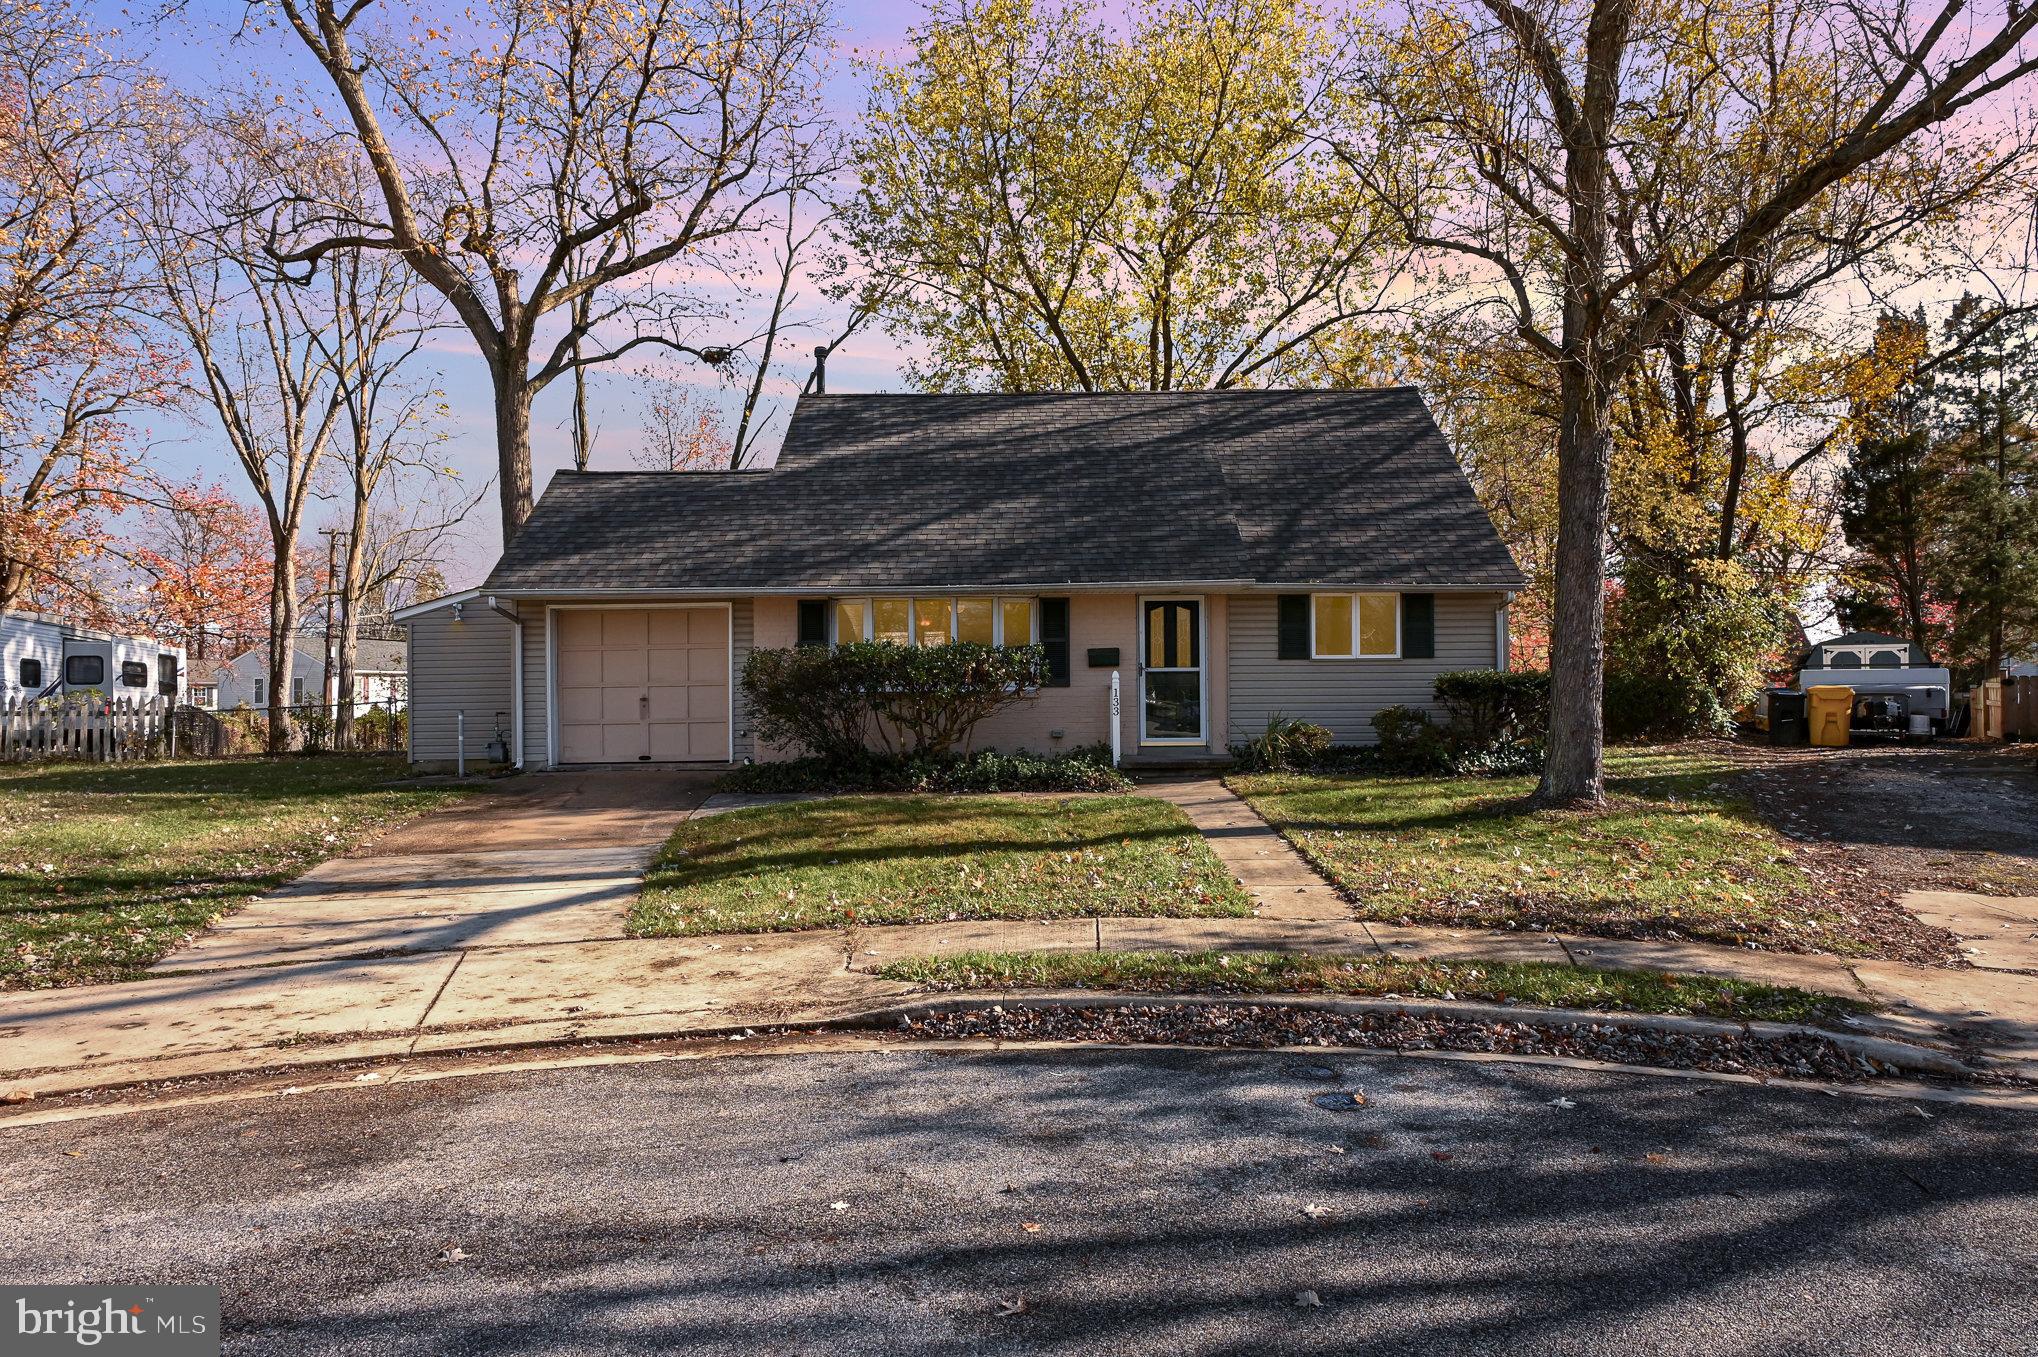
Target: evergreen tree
1987, 556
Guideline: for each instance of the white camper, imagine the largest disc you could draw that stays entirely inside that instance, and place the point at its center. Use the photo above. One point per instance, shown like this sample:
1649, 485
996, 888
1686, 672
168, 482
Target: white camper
41, 656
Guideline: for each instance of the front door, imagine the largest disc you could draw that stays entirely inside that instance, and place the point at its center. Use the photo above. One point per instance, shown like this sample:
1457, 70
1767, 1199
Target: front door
1171, 671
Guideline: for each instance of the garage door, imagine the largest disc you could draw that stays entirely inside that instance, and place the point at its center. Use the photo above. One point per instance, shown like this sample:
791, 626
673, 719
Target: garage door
643, 685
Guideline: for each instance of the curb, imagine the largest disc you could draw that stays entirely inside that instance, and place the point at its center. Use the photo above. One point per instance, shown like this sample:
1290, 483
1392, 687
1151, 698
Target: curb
890, 1014
1902, 1054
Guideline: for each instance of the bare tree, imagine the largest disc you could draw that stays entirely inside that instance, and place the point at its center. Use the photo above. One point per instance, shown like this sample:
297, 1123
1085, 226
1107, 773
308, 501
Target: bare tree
1602, 169
400, 500
567, 160
276, 362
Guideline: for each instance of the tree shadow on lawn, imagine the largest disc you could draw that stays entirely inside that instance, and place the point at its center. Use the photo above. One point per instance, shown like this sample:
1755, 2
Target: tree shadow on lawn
792, 846
254, 778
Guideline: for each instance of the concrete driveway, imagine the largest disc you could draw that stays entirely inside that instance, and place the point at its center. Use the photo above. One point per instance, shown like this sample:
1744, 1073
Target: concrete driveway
552, 857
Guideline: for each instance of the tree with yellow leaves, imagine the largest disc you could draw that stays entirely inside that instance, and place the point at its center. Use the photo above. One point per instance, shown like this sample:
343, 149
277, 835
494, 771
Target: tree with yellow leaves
1048, 204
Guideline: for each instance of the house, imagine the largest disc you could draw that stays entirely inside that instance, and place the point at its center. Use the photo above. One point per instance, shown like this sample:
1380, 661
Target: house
379, 675
1226, 556
202, 683
41, 655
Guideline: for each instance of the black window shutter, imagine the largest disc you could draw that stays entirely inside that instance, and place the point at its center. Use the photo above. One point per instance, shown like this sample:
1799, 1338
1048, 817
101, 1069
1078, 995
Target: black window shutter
1054, 639
1292, 633
813, 621
1418, 626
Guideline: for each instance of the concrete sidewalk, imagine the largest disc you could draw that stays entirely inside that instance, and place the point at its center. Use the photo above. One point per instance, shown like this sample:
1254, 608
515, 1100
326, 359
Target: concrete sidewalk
274, 988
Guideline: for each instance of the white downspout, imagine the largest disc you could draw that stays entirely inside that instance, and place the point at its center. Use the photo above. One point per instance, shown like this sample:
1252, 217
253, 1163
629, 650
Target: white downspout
1500, 637
516, 681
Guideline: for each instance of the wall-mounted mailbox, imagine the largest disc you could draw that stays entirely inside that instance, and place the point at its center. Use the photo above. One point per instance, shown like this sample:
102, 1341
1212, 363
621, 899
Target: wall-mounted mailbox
1104, 657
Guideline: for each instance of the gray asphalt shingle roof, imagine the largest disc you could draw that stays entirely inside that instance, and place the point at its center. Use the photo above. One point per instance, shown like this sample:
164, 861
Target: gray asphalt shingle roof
1350, 488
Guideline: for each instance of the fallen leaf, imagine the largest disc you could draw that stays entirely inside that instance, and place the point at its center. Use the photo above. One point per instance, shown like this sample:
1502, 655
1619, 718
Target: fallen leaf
452, 1254
1315, 1211
1921, 1112
1657, 1157
838, 1206
1308, 1300
1565, 1103
1015, 1306
1030, 1226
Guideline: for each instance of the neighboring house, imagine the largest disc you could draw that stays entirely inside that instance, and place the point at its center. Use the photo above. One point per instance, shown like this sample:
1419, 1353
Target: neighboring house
202, 684
379, 675
43, 655
1232, 555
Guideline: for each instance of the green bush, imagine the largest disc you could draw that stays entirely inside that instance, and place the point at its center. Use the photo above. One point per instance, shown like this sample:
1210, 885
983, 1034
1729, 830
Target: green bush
1287, 744
1080, 770
1641, 707
1494, 709
913, 701
1410, 743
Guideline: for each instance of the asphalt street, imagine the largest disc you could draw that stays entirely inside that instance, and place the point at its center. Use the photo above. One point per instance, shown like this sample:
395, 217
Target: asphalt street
1080, 1201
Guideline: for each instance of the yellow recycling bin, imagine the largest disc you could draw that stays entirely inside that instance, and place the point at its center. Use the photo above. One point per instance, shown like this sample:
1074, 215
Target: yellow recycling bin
1832, 712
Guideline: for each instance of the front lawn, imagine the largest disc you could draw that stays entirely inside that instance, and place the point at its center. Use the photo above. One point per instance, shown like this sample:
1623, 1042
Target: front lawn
925, 859
106, 867
1546, 983
1678, 852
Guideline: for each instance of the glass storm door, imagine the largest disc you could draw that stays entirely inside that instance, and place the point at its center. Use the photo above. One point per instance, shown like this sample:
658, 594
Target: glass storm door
1171, 671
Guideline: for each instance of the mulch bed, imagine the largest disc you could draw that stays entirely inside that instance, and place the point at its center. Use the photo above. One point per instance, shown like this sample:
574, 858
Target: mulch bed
1266, 1025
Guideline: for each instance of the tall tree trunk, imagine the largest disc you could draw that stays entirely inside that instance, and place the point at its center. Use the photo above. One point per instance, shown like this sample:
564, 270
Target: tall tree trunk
513, 444
282, 641
1571, 775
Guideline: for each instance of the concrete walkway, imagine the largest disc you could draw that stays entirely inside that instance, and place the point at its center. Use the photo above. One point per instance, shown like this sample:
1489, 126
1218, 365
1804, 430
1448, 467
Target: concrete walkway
505, 881
1280, 880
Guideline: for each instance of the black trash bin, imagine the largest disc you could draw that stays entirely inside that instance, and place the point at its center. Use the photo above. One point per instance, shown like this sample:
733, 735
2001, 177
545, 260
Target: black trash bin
1789, 721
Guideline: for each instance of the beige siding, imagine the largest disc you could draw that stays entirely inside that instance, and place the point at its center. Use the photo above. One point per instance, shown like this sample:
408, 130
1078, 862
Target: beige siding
455, 667
1344, 694
537, 694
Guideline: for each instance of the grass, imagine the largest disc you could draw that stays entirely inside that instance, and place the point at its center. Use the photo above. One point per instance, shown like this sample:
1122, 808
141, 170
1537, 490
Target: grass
923, 859
1544, 983
104, 868
1677, 853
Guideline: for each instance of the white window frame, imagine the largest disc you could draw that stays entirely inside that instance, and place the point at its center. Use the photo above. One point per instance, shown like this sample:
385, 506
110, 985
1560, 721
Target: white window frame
1316, 652
998, 602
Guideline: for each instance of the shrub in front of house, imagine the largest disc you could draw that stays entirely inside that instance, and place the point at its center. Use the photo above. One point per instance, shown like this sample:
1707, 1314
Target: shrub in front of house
987, 770
1288, 744
1494, 708
844, 702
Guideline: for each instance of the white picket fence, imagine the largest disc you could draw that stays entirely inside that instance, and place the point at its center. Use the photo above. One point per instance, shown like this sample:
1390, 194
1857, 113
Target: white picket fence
101, 729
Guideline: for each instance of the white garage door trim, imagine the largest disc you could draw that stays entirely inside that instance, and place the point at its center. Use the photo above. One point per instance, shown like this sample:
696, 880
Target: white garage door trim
552, 659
